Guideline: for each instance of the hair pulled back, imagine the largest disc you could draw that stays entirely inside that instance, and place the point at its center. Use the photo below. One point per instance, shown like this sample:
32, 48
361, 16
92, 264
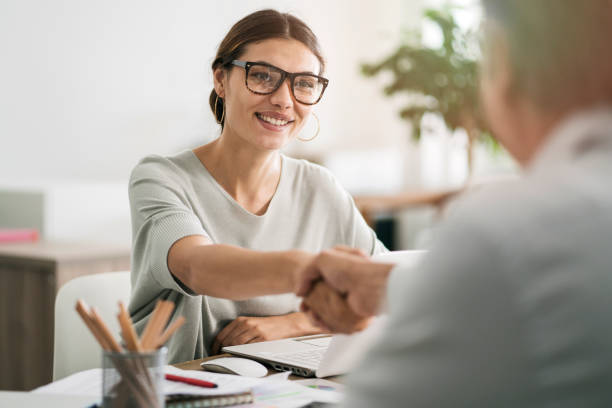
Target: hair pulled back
258, 26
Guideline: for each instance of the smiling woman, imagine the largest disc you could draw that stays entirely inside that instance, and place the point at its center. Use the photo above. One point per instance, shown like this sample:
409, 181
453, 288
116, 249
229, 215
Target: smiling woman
268, 100
224, 229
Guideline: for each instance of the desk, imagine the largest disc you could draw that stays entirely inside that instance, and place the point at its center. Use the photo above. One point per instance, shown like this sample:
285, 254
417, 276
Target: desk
369, 205
48, 398
30, 400
30, 276
195, 365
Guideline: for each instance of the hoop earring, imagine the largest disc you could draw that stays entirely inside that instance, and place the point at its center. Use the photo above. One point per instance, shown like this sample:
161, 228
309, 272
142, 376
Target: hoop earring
222, 113
316, 133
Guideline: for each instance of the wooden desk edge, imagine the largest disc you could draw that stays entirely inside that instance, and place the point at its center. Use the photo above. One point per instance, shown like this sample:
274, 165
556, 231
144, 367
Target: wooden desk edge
393, 202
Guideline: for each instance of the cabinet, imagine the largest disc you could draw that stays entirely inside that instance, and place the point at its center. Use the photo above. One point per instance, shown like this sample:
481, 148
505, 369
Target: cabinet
30, 276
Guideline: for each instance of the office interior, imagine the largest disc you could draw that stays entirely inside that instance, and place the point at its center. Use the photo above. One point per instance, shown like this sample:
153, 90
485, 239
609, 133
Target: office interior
91, 87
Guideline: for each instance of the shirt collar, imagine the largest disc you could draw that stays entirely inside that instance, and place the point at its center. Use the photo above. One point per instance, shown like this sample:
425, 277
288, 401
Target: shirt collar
578, 133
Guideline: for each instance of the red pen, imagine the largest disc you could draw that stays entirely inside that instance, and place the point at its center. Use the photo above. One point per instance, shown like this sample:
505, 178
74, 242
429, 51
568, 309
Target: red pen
192, 381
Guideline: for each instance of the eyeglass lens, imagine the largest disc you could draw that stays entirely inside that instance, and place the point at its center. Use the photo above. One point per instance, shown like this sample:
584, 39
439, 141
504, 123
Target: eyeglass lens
264, 79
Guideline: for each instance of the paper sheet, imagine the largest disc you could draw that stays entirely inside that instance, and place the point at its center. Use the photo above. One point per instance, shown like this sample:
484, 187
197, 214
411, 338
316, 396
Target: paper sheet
89, 383
321, 384
290, 394
276, 392
227, 383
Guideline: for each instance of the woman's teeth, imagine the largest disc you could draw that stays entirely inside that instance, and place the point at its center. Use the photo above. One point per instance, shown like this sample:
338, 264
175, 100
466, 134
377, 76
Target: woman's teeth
277, 122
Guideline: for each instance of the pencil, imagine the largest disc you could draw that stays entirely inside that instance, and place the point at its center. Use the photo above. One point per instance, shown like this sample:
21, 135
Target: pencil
191, 381
146, 334
83, 310
106, 333
169, 331
129, 333
92, 320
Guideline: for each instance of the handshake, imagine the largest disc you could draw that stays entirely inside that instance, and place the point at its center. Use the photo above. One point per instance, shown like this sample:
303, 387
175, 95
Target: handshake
342, 289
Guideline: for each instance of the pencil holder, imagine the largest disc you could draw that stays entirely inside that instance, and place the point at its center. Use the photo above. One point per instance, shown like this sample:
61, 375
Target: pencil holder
133, 379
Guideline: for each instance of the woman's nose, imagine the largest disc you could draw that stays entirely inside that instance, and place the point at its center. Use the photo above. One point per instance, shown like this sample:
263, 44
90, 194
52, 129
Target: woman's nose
282, 96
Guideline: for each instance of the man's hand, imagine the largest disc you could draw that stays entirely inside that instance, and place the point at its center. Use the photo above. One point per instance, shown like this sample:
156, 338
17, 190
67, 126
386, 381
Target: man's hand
330, 311
360, 280
245, 330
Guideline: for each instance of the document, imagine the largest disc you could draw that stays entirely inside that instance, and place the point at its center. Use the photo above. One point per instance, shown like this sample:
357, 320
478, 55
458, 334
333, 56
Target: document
273, 391
89, 383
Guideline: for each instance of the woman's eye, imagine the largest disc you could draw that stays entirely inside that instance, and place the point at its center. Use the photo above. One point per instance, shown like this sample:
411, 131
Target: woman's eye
305, 84
261, 76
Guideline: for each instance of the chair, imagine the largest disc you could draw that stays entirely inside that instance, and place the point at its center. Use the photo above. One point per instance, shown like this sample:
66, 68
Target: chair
75, 348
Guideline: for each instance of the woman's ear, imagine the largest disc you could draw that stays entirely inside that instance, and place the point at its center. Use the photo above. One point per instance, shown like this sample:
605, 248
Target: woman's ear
220, 81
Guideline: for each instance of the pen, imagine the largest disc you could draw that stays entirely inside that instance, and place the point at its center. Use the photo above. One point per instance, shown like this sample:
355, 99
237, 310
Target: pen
192, 381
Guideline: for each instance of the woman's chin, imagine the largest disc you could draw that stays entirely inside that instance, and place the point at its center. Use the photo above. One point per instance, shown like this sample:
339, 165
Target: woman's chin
273, 144
272, 141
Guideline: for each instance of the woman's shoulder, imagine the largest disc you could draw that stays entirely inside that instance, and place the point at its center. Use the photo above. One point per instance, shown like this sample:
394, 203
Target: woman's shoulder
308, 170
164, 167
311, 178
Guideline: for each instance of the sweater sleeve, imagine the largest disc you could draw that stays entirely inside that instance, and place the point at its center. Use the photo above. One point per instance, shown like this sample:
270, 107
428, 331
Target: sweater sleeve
356, 231
161, 215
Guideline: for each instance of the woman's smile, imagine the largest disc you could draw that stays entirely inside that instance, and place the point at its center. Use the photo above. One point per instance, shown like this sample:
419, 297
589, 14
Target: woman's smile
274, 121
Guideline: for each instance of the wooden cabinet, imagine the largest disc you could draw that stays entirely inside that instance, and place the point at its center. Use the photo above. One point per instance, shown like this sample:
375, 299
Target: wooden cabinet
30, 276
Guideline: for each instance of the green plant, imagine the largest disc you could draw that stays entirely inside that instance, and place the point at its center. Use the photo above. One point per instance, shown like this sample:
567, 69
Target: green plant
441, 80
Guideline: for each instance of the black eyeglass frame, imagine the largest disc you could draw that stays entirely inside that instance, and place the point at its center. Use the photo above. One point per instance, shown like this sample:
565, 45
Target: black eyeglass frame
284, 75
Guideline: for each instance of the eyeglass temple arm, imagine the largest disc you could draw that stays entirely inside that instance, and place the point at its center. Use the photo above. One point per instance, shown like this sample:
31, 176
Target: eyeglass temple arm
239, 63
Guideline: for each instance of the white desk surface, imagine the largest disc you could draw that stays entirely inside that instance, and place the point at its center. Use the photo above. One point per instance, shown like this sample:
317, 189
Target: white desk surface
31, 400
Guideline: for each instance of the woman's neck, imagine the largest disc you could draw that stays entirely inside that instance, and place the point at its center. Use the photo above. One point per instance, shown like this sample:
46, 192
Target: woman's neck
249, 175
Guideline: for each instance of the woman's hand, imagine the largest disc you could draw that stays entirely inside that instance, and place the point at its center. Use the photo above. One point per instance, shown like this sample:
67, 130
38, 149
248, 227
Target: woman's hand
329, 310
245, 330
362, 282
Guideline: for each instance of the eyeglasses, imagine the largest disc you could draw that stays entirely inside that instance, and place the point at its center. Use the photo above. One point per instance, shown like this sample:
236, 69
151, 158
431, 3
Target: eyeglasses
264, 79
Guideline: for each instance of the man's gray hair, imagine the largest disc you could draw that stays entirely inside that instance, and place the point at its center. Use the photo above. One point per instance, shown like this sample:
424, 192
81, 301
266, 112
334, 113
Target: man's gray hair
560, 50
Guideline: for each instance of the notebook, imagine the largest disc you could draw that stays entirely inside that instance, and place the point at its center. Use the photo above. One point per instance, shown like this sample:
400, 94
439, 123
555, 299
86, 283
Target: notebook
195, 401
322, 355
231, 388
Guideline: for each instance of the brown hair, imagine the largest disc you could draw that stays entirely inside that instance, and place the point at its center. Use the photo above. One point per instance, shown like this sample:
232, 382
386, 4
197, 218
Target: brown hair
258, 26
560, 51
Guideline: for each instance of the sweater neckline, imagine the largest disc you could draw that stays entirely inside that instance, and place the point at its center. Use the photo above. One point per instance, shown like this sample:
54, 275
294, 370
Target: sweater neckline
280, 187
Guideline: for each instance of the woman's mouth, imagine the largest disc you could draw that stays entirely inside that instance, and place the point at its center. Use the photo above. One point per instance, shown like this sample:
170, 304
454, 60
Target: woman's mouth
272, 123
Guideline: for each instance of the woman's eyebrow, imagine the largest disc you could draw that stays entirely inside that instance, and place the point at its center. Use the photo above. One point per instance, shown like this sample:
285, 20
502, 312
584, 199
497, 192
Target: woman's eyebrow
272, 65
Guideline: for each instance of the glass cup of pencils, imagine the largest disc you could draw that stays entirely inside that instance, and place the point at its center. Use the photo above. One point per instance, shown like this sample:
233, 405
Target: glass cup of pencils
133, 379
133, 371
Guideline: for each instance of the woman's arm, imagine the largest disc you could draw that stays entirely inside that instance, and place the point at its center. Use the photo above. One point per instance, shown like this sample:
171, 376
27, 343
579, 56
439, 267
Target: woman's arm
231, 272
236, 273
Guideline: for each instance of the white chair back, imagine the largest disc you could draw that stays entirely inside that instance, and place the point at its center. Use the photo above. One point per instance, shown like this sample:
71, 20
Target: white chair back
75, 348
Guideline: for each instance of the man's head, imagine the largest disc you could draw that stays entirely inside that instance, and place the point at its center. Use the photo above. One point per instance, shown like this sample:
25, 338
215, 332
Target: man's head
543, 60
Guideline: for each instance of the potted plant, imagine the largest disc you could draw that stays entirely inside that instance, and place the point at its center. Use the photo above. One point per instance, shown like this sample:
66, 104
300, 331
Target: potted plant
441, 80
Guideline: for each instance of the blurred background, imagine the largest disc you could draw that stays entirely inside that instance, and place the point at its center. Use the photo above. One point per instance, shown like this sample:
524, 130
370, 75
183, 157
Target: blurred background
91, 87
88, 88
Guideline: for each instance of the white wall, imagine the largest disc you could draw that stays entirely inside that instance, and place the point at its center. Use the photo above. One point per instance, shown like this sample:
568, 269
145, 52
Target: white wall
89, 87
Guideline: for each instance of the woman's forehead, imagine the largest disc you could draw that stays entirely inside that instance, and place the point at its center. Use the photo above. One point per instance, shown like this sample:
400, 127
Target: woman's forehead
287, 54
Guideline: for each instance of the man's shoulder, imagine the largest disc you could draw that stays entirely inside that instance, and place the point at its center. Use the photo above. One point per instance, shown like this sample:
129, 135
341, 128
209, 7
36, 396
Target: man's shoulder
522, 204
550, 203
495, 208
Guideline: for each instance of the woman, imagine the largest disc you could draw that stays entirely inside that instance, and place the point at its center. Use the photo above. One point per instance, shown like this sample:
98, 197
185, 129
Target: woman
218, 227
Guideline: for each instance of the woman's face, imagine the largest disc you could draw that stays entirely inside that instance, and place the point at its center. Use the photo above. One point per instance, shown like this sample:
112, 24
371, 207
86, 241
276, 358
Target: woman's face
247, 115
